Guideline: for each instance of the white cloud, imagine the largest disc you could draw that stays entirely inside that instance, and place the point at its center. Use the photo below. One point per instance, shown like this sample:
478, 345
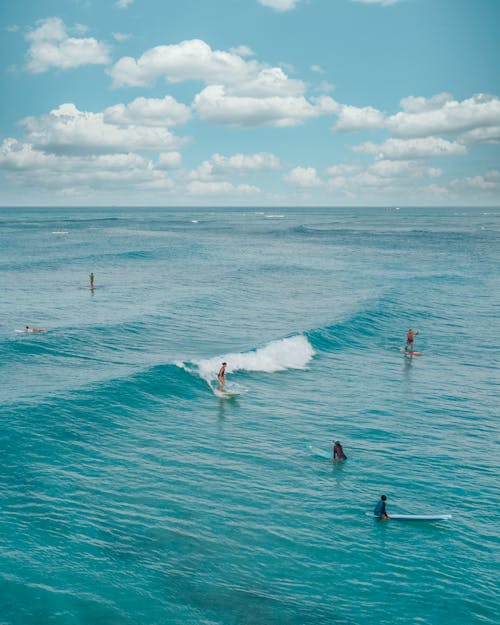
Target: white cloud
70, 131
352, 118
451, 118
189, 60
242, 51
427, 147
148, 112
121, 36
218, 165
413, 104
488, 182
303, 177
198, 187
317, 68
245, 162
169, 160
50, 46
123, 4
279, 5
400, 169
32, 167
215, 105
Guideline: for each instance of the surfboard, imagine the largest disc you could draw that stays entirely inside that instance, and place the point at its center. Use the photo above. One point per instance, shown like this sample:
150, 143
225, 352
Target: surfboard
227, 394
37, 331
411, 353
414, 517
319, 452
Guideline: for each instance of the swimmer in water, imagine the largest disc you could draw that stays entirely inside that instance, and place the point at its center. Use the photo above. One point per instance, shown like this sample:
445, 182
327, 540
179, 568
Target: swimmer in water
338, 452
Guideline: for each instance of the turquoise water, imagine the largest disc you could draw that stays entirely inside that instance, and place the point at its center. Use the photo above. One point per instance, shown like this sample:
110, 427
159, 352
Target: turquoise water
132, 495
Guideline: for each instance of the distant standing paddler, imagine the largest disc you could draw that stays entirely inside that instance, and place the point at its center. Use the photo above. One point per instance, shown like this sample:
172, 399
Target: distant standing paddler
92, 280
410, 337
222, 376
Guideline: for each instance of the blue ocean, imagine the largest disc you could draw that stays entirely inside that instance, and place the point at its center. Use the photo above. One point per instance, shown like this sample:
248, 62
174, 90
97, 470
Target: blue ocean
132, 493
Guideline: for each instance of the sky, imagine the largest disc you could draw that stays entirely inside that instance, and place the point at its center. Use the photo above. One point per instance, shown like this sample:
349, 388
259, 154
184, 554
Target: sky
250, 103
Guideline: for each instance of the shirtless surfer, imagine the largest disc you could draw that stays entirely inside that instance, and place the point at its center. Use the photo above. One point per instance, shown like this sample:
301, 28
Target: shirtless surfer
410, 337
221, 376
28, 329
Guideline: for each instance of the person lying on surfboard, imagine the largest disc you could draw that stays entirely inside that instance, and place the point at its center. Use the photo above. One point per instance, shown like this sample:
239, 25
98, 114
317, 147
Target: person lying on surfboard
28, 329
221, 376
338, 452
410, 337
380, 510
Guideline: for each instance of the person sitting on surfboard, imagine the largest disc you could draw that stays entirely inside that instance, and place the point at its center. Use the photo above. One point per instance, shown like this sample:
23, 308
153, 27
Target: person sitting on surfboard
221, 376
380, 510
410, 337
338, 452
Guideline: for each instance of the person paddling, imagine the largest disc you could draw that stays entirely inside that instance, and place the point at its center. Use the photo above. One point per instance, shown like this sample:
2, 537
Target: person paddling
410, 337
380, 509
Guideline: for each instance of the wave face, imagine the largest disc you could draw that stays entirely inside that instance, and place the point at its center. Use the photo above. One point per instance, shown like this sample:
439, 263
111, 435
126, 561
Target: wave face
130, 493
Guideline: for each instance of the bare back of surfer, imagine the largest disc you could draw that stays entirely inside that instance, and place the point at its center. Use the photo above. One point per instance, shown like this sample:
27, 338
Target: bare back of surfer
28, 329
221, 376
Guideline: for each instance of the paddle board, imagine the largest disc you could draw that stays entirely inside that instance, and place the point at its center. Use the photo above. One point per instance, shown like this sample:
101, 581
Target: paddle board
414, 517
319, 452
410, 353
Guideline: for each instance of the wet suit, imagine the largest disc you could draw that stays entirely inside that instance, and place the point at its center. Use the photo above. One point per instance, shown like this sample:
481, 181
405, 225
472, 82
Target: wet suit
380, 510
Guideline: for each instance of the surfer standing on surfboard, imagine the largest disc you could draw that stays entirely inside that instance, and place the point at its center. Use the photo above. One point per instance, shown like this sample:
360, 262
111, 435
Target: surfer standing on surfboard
221, 376
91, 277
410, 337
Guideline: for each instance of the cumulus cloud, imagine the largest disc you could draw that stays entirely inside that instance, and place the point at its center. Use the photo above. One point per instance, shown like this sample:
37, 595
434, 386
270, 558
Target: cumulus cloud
189, 60
218, 165
70, 131
214, 104
303, 177
123, 4
382, 175
121, 37
427, 147
352, 118
169, 160
198, 187
148, 112
449, 117
51, 171
487, 182
51, 46
279, 5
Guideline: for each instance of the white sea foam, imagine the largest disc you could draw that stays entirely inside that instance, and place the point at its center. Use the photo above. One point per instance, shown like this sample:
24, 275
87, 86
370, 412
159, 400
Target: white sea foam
290, 353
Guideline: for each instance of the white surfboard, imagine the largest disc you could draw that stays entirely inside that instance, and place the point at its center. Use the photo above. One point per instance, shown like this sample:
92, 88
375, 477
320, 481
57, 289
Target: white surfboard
227, 394
319, 452
414, 517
